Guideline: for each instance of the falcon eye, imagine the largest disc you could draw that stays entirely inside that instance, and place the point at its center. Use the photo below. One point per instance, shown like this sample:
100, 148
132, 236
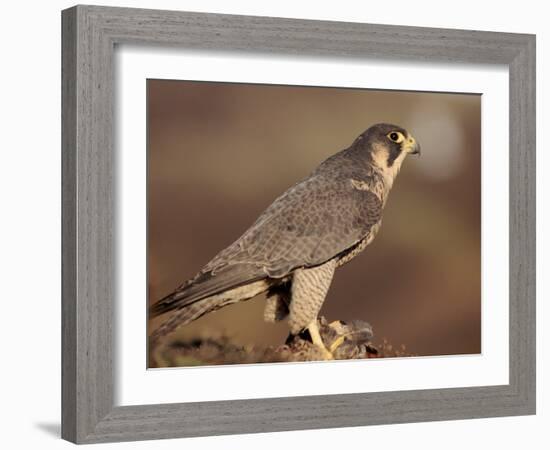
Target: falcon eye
396, 137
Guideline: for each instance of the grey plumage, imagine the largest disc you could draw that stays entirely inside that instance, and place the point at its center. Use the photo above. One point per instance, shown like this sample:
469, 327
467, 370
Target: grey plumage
298, 241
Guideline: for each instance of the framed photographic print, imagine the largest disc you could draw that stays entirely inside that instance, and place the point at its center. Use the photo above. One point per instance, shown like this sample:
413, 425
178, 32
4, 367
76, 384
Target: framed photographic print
306, 210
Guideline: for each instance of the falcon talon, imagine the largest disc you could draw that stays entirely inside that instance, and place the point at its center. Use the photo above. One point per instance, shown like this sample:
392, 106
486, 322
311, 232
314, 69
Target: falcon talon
293, 249
337, 343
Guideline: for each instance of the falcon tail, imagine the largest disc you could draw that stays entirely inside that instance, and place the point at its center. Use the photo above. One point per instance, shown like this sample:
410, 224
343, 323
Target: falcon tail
207, 293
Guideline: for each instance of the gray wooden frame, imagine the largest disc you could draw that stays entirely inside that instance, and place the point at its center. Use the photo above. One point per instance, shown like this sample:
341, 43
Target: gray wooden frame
89, 35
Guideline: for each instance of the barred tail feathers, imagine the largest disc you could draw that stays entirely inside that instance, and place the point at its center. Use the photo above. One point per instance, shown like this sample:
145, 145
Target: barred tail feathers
205, 285
191, 311
185, 315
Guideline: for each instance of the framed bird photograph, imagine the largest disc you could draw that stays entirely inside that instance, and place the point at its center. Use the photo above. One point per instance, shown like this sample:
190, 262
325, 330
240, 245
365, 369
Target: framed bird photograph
263, 198
278, 224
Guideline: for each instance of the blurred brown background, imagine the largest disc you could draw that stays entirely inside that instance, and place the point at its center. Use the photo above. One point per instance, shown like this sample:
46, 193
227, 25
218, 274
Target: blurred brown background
220, 153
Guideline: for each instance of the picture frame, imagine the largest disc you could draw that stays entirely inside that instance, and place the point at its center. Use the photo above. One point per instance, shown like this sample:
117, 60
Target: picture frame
89, 37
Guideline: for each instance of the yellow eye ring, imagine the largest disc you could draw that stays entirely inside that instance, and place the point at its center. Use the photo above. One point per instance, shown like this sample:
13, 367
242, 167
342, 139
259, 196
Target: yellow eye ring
396, 136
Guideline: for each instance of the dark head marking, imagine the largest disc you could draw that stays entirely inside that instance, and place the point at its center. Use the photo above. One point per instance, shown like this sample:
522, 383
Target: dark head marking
384, 135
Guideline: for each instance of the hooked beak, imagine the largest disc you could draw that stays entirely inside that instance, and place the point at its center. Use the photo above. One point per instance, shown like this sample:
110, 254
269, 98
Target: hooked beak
412, 146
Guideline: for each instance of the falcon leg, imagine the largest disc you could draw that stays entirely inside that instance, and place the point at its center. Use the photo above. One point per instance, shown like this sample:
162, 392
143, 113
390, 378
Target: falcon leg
309, 289
316, 339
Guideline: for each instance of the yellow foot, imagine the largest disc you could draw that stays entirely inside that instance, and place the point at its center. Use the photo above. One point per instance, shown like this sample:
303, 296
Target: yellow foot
337, 343
316, 339
351, 335
337, 327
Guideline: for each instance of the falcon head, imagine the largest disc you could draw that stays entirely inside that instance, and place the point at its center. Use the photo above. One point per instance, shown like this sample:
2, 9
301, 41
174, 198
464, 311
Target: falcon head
387, 146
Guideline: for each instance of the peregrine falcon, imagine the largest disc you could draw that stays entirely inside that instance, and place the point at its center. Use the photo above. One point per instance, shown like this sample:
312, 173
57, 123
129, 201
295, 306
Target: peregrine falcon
296, 244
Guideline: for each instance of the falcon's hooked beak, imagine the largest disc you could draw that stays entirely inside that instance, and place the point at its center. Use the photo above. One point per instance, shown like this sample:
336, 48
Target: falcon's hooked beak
411, 146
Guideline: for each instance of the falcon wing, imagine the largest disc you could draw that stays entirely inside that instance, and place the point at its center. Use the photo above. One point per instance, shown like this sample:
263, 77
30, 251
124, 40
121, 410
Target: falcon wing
308, 225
